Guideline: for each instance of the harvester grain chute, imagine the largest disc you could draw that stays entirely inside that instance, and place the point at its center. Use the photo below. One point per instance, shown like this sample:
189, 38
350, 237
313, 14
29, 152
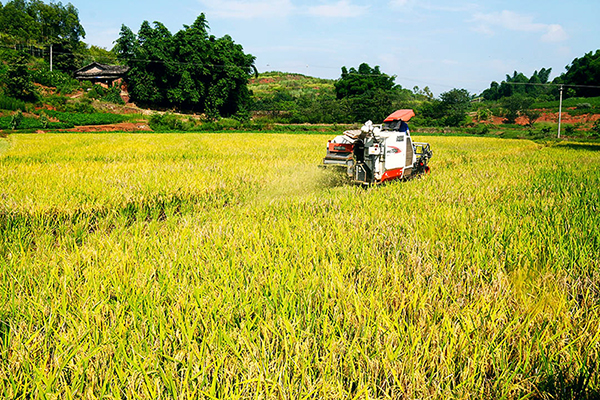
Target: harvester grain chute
379, 153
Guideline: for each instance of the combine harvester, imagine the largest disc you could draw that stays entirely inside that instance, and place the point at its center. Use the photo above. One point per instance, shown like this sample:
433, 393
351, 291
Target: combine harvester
379, 153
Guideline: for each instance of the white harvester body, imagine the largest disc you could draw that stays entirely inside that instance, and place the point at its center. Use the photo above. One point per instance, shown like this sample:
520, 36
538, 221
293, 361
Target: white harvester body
379, 153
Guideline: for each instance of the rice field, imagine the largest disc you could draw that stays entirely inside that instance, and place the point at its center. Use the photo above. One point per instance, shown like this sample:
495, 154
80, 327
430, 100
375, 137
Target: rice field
228, 266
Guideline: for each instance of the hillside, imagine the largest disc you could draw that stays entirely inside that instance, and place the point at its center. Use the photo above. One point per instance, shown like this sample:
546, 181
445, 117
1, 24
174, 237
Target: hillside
268, 83
279, 101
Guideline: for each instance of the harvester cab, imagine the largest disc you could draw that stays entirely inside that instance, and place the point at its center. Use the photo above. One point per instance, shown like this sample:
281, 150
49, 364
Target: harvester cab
379, 153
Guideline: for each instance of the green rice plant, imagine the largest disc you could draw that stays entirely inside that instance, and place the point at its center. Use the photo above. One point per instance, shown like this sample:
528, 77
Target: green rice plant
230, 266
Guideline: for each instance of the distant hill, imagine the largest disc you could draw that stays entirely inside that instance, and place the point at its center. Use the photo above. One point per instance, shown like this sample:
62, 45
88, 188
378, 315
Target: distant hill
268, 83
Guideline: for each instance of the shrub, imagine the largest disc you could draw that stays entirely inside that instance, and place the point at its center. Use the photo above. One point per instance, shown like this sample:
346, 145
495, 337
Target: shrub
63, 82
79, 119
62, 103
111, 95
514, 106
31, 123
10, 103
44, 121
16, 119
165, 122
531, 115
17, 78
83, 106
583, 106
57, 101
481, 129
229, 124
595, 132
569, 130
483, 115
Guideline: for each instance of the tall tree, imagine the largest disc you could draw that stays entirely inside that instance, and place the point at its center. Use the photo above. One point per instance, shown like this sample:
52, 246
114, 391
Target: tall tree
126, 45
368, 92
519, 84
583, 71
17, 80
455, 104
363, 81
190, 70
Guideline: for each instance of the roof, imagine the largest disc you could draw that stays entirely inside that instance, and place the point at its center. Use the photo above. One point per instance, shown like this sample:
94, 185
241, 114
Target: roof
402, 115
97, 70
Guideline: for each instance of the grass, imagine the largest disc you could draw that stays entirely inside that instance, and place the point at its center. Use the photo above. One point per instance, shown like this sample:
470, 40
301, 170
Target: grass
570, 102
230, 266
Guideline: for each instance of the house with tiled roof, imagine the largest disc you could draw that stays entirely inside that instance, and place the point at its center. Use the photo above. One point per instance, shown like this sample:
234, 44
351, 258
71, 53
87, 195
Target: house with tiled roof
102, 74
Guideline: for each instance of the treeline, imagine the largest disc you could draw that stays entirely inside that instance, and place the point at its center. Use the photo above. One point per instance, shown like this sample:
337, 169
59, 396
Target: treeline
367, 93
358, 95
582, 73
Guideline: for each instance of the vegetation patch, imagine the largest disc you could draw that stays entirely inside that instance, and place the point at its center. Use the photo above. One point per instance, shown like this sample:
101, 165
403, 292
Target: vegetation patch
78, 119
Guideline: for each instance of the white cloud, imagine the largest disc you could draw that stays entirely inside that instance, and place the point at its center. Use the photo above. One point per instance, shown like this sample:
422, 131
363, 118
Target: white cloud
555, 33
341, 9
249, 9
512, 21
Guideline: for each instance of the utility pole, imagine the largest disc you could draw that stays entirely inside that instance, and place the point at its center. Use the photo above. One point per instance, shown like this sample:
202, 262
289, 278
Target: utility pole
560, 110
51, 58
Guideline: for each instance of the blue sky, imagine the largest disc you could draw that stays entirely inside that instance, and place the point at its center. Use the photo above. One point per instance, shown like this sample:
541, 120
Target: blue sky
440, 44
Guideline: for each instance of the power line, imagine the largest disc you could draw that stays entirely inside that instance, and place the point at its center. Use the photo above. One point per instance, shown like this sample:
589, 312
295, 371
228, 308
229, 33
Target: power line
552, 84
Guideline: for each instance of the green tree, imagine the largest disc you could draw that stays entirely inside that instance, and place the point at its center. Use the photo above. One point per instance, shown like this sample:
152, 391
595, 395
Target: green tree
190, 70
514, 106
519, 84
454, 105
37, 24
18, 26
424, 94
368, 92
126, 46
493, 92
583, 71
17, 80
361, 82
431, 113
